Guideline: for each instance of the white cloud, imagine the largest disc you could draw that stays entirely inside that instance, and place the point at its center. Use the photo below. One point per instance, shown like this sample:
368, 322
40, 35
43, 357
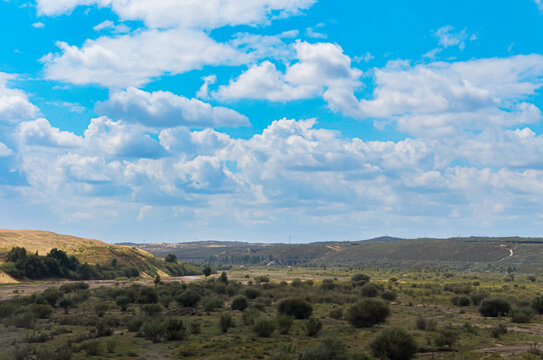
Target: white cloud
14, 104
132, 60
442, 97
449, 37
164, 109
322, 68
38, 25
4, 150
539, 4
210, 14
203, 92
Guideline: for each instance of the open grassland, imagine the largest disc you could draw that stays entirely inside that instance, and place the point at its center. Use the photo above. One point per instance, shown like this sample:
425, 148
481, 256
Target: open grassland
176, 319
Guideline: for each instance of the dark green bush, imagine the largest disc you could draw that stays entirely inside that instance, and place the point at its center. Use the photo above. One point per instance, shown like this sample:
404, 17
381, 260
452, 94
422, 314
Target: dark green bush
313, 326
446, 337
133, 324
100, 309
25, 319
240, 303
147, 295
477, 298
252, 293
494, 307
249, 316
537, 304
296, 307
66, 303
336, 313
153, 330
152, 309
498, 330
189, 298
264, 327
389, 295
225, 322
123, 301
329, 348
92, 347
367, 313
360, 279
461, 300
521, 315
328, 284
102, 329
175, 329
369, 290
41, 311
284, 323
212, 303
195, 328
394, 344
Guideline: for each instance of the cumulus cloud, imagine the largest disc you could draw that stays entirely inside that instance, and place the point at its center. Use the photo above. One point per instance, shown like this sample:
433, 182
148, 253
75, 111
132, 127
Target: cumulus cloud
186, 13
14, 104
322, 69
443, 96
132, 60
164, 109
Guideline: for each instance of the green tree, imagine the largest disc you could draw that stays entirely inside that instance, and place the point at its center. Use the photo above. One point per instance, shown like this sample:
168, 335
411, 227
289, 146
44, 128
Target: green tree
207, 271
171, 258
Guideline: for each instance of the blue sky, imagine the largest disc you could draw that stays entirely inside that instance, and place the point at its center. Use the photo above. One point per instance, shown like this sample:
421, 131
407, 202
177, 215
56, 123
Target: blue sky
130, 120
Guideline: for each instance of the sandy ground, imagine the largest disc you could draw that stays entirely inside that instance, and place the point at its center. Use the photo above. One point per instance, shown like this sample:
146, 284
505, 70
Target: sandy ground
25, 289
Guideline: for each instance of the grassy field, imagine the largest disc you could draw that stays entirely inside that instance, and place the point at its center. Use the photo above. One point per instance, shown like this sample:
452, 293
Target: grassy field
420, 302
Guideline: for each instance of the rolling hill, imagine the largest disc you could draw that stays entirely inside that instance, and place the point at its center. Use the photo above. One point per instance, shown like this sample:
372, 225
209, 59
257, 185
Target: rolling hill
85, 250
470, 253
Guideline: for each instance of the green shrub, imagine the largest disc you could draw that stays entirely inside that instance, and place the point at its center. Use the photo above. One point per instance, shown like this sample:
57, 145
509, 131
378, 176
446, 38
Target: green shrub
537, 304
494, 307
102, 329
367, 313
251, 293
461, 300
147, 295
111, 344
282, 352
360, 279
225, 322
123, 301
249, 316
133, 324
66, 303
25, 319
264, 327
389, 295
92, 347
195, 328
100, 309
284, 323
498, 330
296, 307
336, 313
446, 337
175, 329
41, 311
394, 344
212, 303
189, 298
153, 330
8, 309
521, 315
328, 284
152, 309
329, 348
313, 326
420, 323
477, 298
240, 303
369, 290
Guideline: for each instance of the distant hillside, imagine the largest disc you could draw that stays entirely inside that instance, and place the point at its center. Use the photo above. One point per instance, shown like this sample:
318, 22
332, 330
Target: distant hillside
473, 253
85, 250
